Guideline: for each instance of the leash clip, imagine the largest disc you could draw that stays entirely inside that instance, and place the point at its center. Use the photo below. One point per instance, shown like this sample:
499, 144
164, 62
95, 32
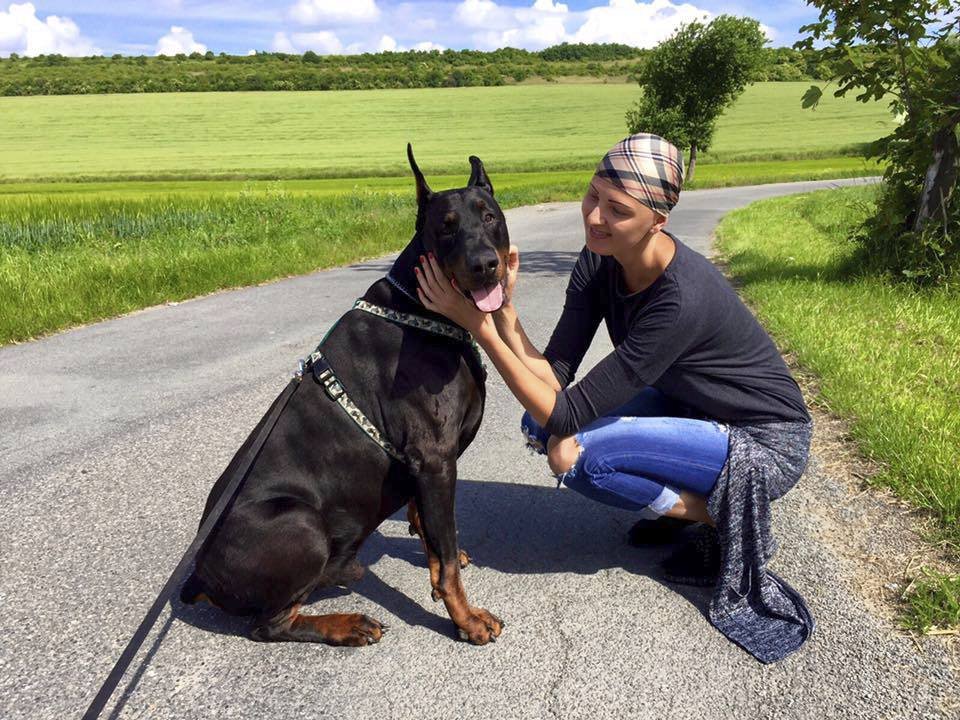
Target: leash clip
330, 384
298, 373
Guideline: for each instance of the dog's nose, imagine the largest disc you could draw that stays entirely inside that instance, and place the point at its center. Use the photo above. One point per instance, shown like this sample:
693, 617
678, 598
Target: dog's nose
485, 266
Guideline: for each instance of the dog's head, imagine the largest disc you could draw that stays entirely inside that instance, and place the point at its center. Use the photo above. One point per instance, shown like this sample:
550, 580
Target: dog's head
467, 232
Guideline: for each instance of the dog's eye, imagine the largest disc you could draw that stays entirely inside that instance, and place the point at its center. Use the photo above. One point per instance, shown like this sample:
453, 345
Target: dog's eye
488, 218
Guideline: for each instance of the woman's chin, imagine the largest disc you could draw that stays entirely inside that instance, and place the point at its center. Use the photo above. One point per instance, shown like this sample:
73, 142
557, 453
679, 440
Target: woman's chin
597, 246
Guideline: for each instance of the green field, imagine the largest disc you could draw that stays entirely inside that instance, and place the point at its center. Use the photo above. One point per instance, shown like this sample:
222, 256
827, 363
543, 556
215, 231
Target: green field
363, 133
886, 355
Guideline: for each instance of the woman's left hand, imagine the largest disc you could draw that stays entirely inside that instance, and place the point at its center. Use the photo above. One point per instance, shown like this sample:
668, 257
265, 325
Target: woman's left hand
442, 296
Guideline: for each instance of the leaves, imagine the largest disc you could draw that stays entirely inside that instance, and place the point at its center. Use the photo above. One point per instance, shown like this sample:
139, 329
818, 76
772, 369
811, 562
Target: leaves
690, 78
811, 98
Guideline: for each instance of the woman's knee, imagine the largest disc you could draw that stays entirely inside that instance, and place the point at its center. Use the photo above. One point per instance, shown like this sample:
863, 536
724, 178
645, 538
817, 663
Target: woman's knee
562, 454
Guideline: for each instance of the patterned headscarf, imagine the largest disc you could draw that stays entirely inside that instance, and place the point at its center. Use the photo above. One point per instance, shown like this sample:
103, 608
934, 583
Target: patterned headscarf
647, 168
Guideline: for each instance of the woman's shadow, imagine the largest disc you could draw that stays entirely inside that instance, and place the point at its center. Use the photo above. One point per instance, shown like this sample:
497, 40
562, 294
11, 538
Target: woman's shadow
513, 528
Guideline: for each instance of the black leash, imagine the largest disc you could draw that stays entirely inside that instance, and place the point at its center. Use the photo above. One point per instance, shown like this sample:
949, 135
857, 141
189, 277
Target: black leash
113, 679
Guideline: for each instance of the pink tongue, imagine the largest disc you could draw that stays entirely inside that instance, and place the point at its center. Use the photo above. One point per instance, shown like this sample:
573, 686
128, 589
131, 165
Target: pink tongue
488, 300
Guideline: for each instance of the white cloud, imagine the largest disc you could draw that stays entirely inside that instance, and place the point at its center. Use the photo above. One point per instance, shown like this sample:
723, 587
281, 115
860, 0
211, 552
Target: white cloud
179, 40
323, 42
22, 32
538, 26
483, 24
636, 23
282, 43
335, 12
427, 46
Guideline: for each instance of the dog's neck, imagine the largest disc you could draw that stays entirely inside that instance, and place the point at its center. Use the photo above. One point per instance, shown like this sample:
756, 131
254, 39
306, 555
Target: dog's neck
402, 274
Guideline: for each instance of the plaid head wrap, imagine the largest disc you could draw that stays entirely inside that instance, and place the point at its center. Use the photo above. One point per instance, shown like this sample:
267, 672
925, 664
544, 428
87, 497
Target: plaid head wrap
647, 168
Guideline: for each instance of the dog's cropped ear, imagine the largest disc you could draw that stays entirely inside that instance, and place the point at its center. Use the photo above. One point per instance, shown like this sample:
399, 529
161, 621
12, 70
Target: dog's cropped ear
478, 176
424, 193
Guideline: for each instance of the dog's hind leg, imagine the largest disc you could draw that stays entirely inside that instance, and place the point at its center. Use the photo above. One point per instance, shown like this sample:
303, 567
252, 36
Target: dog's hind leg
415, 528
192, 590
351, 629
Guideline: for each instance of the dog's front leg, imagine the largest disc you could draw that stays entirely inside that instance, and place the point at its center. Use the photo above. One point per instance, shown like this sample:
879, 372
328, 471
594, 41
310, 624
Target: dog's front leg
435, 498
416, 528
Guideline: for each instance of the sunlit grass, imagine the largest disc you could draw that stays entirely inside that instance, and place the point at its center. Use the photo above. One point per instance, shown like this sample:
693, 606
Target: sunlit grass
887, 355
364, 133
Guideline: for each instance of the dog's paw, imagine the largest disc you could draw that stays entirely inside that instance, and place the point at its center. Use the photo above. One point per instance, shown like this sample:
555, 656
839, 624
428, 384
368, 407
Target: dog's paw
358, 631
464, 559
481, 627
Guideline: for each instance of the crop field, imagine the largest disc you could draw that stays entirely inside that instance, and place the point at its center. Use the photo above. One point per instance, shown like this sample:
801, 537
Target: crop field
171, 196
364, 133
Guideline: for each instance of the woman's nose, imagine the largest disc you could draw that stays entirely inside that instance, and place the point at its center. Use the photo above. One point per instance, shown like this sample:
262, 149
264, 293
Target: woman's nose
594, 217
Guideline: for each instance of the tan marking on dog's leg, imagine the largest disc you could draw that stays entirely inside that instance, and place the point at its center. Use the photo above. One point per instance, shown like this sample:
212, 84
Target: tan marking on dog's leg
203, 597
433, 562
475, 625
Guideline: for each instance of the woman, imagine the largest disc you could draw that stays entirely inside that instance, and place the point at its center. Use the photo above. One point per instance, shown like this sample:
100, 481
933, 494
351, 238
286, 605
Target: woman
693, 417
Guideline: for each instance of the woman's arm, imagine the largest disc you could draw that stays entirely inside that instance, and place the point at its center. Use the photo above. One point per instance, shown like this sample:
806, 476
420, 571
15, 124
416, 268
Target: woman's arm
511, 332
537, 396
437, 293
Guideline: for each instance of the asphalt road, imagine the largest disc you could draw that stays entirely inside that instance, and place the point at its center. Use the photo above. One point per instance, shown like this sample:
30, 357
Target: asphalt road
111, 435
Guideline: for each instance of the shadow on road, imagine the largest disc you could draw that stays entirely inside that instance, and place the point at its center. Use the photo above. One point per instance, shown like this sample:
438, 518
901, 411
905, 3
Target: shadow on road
510, 528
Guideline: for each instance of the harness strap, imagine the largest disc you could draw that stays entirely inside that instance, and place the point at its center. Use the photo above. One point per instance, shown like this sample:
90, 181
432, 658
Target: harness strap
421, 323
320, 367
415, 321
323, 372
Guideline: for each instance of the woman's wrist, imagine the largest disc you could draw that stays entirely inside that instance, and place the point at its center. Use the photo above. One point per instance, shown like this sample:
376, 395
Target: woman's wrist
505, 318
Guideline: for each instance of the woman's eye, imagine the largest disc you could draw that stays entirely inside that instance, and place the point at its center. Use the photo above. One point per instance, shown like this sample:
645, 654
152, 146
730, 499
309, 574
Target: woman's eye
618, 211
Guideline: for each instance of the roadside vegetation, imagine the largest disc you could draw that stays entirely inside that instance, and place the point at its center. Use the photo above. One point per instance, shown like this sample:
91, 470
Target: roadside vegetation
73, 253
59, 75
886, 354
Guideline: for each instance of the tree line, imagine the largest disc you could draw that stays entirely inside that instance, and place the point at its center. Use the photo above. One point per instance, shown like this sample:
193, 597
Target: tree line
209, 72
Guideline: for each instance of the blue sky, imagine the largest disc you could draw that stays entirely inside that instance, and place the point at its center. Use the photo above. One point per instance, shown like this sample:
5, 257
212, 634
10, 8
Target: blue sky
79, 27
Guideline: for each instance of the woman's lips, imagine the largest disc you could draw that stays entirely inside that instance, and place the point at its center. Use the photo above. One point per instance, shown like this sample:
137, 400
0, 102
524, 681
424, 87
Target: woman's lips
598, 234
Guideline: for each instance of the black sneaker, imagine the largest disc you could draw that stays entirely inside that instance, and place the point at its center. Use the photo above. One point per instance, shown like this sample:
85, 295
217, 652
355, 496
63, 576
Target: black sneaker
696, 562
658, 531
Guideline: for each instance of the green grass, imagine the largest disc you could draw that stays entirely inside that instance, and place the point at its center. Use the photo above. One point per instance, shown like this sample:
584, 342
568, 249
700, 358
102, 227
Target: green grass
887, 355
708, 176
364, 133
66, 260
74, 253
933, 604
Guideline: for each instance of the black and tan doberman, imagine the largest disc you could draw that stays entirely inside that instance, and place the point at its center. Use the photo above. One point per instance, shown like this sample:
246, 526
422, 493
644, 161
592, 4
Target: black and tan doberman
320, 485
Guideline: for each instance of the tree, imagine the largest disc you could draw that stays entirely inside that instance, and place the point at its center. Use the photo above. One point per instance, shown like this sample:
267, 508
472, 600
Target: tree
690, 78
906, 51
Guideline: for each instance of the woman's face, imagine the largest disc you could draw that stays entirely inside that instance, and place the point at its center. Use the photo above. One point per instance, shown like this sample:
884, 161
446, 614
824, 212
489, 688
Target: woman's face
613, 221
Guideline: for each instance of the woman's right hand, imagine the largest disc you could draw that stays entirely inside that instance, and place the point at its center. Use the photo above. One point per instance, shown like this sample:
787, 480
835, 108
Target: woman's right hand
513, 268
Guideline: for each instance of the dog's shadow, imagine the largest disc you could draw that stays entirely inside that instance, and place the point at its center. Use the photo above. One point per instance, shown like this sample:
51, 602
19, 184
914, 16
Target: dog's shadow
512, 528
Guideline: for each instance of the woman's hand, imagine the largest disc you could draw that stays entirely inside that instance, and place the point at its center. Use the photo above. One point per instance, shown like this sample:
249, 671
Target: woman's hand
442, 296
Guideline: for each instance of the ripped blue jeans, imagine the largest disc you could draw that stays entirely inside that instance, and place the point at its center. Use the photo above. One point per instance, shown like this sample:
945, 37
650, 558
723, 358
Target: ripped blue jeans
643, 454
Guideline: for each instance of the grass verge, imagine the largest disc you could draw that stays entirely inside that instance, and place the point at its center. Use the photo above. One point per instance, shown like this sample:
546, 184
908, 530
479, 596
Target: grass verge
74, 254
887, 356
